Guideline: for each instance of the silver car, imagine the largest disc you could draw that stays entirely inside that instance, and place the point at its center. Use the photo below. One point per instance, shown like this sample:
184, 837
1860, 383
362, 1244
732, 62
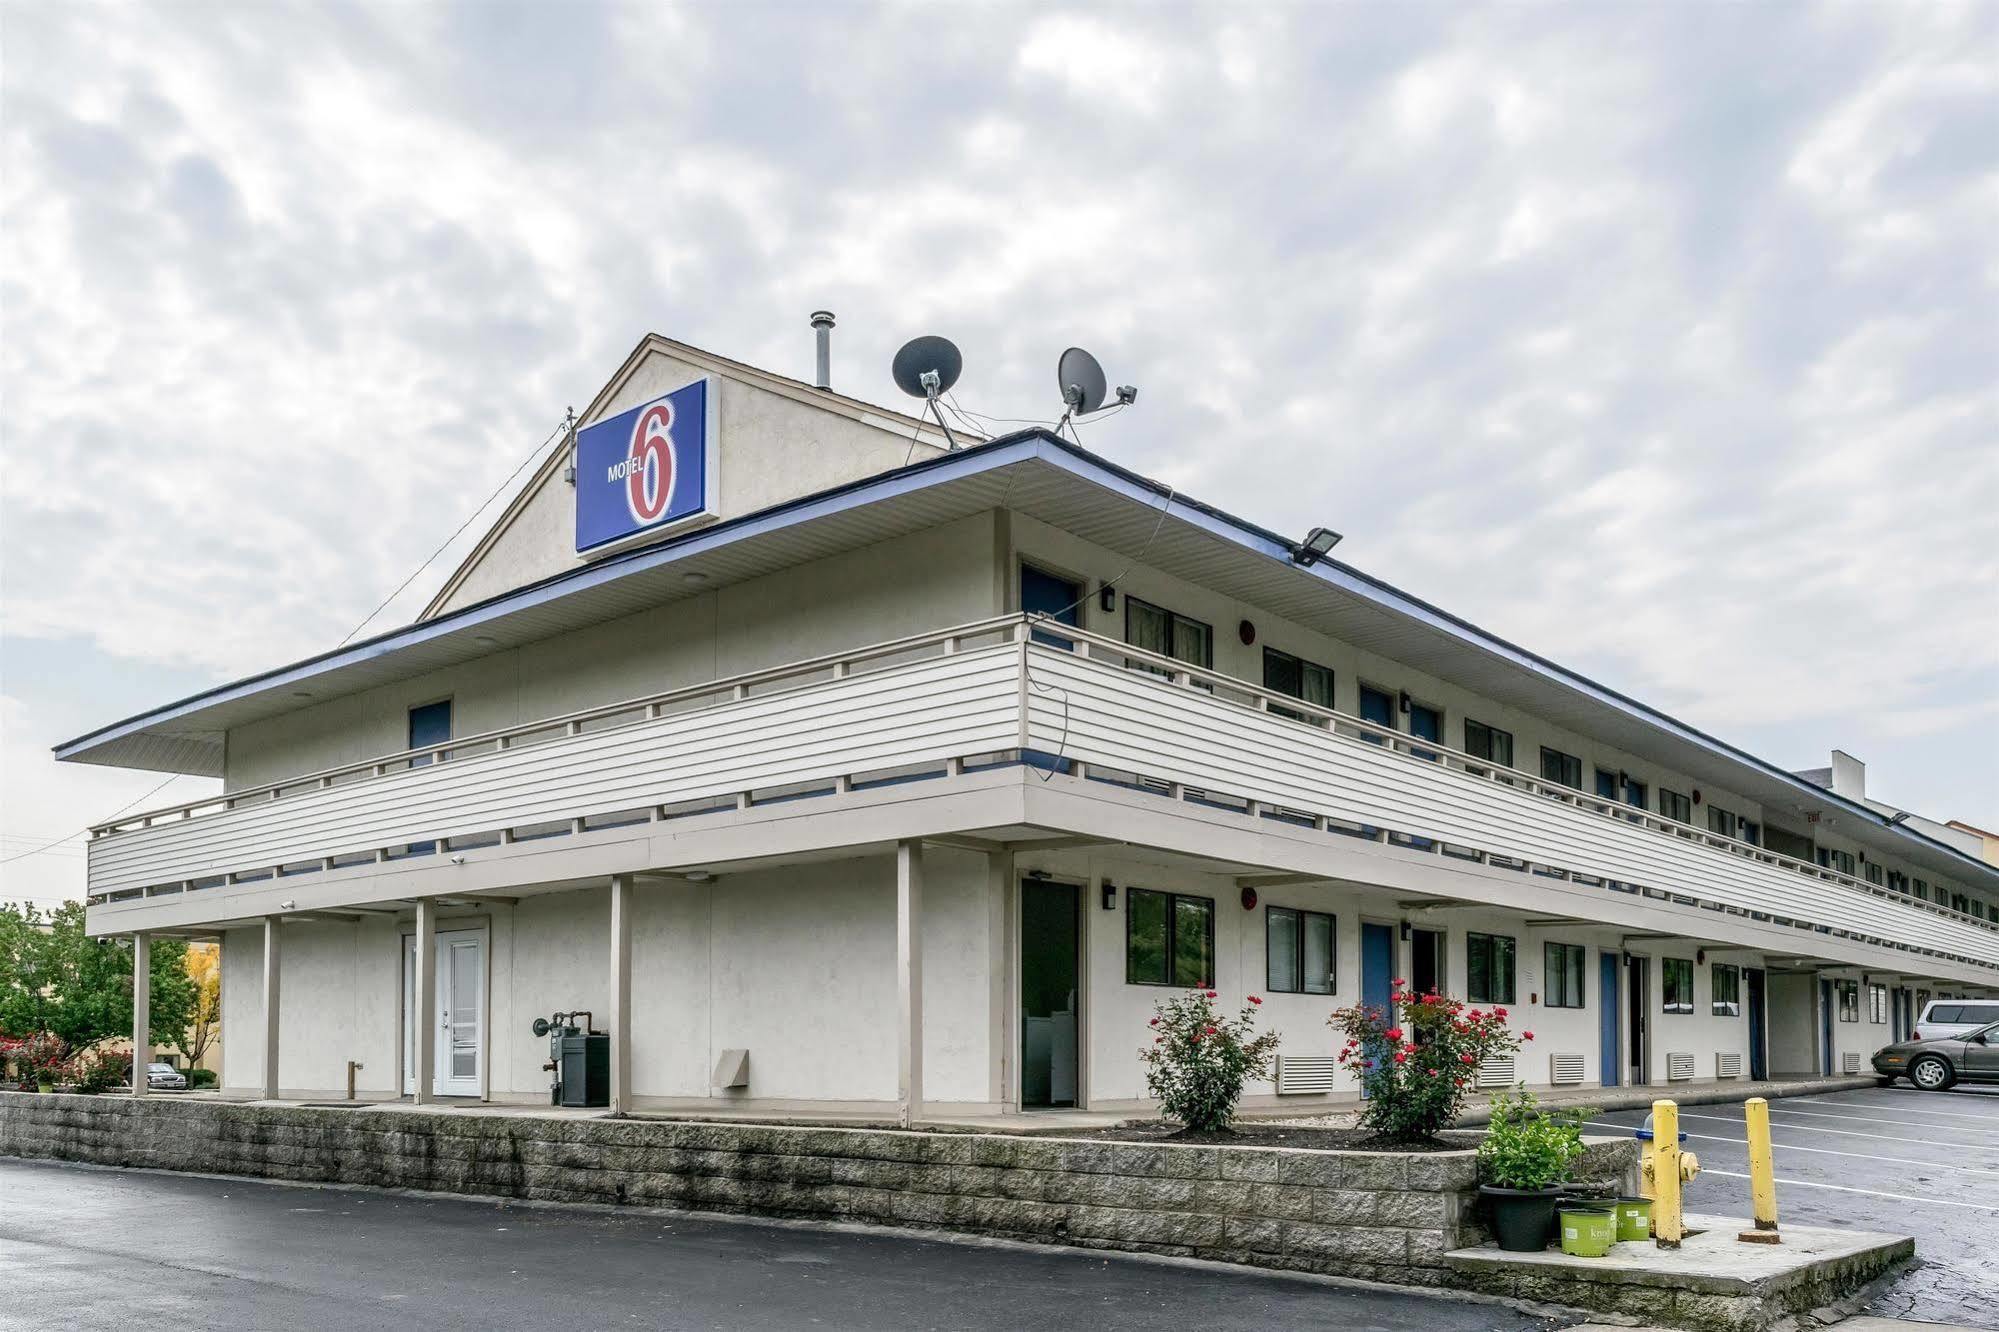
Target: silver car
1941, 1061
165, 1077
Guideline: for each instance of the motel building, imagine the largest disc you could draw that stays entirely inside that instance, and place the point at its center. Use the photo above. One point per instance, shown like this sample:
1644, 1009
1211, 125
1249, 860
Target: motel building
830, 769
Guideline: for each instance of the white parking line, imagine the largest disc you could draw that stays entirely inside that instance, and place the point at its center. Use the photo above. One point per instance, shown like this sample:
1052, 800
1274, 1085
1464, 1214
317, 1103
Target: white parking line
1940, 1167
1813, 1128
1901, 1108
1872, 1193
1868, 1119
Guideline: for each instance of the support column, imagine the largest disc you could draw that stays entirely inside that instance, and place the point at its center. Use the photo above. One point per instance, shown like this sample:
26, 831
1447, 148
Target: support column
621, 994
909, 980
142, 1015
423, 1023
273, 956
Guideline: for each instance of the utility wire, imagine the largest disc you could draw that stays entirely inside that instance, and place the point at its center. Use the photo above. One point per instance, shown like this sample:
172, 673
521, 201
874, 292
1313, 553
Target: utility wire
47, 846
483, 506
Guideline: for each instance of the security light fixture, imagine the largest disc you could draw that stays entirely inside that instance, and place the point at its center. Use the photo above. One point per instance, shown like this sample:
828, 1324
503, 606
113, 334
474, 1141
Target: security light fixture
1403, 700
698, 876
1110, 896
1317, 543
1107, 596
1898, 817
287, 906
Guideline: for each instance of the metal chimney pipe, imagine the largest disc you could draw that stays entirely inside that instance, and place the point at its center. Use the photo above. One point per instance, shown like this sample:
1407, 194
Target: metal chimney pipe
822, 324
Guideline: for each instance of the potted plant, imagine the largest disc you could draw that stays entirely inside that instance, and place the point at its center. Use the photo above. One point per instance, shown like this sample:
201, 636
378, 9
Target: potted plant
1417, 1058
1199, 1060
1523, 1160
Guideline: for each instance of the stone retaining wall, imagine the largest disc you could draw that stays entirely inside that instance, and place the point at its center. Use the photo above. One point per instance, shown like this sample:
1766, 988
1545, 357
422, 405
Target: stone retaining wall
1378, 1216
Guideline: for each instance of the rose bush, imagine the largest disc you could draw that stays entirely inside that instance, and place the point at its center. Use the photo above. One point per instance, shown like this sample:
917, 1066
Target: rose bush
1199, 1061
1417, 1058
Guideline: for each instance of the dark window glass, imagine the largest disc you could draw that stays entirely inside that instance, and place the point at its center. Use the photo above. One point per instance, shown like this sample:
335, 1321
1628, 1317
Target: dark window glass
1489, 743
1720, 821
1677, 976
1489, 968
1726, 1000
1564, 964
1169, 939
1674, 805
1751, 832
1298, 951
429, 725
1877, 1003
1849, 1000
1566, 769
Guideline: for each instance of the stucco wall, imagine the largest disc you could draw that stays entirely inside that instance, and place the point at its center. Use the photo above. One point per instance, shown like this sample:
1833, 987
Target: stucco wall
796, 965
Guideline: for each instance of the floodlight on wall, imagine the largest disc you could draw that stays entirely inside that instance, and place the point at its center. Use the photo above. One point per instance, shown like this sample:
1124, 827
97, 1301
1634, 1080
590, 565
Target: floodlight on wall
1318, 543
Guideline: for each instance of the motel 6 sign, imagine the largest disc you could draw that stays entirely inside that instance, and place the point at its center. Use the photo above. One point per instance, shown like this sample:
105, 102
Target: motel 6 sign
649, 468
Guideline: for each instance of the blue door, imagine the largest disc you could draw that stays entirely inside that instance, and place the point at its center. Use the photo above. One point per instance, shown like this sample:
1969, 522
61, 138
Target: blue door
1606, 1019
1825, 1027
429, 725
1377, 966
1045, 594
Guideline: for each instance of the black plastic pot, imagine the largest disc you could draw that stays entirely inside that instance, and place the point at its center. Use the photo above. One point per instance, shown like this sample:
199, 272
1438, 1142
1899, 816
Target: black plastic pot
1520, 1217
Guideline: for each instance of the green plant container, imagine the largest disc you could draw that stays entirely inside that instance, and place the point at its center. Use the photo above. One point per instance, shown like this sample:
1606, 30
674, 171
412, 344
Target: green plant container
1588, 1232
1634, 1219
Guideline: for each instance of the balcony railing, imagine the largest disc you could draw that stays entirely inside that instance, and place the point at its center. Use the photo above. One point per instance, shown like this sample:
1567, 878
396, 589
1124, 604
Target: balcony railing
998, 691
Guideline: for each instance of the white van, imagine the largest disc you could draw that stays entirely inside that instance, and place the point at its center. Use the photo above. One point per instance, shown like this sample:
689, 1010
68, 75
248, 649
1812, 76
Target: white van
1954, 1017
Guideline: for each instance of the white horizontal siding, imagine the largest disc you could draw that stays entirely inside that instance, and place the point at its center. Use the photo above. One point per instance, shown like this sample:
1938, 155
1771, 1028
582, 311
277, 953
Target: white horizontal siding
1105, 715
921, 712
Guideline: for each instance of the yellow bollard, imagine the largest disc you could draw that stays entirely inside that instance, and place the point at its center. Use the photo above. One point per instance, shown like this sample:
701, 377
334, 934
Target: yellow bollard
1762, 1173
1667, 1226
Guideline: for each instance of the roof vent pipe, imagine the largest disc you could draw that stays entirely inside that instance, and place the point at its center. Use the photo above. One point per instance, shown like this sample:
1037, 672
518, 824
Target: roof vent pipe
822, 325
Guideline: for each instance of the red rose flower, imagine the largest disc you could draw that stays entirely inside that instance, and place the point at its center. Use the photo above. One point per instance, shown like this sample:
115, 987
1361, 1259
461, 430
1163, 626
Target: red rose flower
1401, 1058
1526, 1035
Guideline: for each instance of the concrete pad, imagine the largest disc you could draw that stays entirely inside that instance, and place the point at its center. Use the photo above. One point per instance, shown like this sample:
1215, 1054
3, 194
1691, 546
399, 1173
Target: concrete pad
1711, 1281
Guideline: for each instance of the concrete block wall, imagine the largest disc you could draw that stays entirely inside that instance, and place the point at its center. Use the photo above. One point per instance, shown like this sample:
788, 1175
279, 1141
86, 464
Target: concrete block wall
1369, 1215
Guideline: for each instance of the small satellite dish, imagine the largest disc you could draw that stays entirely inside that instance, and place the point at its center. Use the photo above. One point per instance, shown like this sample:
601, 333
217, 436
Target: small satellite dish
1081, 380
927, 366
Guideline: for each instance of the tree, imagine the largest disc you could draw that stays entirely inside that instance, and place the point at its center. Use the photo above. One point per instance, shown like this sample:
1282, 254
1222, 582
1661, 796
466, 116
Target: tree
56, 978
204, 969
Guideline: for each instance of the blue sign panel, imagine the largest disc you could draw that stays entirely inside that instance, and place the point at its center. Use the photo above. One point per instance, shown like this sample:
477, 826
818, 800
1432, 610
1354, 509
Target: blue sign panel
647, 467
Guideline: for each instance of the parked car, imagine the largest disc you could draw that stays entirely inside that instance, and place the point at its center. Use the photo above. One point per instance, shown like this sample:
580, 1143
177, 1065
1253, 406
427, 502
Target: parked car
165, 1077
1936, 1063
1954, 1017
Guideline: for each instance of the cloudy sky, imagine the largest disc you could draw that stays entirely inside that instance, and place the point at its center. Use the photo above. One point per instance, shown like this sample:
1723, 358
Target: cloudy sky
1659, 339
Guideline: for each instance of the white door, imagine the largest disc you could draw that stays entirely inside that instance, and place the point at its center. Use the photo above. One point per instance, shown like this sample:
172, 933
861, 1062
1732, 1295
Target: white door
459, 1017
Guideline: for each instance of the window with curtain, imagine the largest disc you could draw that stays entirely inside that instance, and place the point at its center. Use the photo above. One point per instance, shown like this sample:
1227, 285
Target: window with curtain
1849, 999
1169, 939
1489, 968
1564, 963
1298, 948
1725, 999
1675, 805
1565, 769
1156, 629
1301, 679
1489, 743
1676, 976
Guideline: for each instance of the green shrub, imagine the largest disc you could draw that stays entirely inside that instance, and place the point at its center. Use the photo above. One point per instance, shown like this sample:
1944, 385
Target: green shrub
1199, 1060
1527, 1147
1417, 1059
200, 1077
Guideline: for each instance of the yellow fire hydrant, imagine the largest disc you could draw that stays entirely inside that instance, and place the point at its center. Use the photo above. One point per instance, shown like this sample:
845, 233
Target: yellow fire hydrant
1662, 1169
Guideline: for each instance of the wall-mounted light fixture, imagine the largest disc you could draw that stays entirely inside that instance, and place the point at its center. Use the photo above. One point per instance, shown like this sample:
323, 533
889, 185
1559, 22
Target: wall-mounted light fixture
1317, 543
1700, 956
1403, 930
1107, 597
1404, 700
1110, 896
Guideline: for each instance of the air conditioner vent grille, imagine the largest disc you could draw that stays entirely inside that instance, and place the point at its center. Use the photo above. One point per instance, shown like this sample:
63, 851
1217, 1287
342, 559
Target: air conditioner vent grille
1565, 1070
1728, 1064
1850, 1062
1497, 1071
1304, 1075
1679, 1065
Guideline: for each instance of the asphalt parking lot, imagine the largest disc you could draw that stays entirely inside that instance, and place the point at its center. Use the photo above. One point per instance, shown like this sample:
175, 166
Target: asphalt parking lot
1893, 1158
87, 1249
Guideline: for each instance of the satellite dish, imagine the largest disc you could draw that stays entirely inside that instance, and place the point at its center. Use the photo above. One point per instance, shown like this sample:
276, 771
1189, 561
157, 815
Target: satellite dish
927, 367
1081, 380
